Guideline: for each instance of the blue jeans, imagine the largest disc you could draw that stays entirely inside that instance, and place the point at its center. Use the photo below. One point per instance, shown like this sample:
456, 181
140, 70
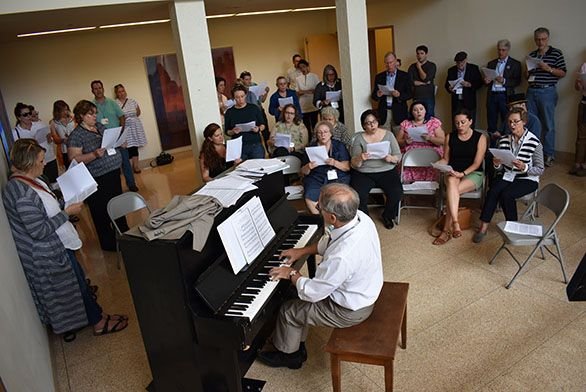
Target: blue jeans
127, 168
496, 106
252, 151
542, 102
92, 309
429, 106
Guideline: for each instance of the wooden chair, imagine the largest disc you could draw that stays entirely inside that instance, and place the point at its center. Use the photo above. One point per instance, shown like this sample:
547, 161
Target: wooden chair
373, 341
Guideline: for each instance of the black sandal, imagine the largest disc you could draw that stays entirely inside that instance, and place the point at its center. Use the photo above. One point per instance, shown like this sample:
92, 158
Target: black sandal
69, 337
115, 328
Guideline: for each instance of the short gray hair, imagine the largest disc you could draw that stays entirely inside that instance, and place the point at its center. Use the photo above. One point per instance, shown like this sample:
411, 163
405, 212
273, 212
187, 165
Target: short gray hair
330, 111
541, 30
503, 43
340, 200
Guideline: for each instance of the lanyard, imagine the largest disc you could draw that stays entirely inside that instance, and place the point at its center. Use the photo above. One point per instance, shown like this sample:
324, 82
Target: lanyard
521, 141
33, 184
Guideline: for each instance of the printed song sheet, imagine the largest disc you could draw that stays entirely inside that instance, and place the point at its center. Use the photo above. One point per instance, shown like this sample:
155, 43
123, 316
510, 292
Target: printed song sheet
76, 184
246, 127
109, 139
531, 63
334, 96
41, 135
233, 149
489, 73
442, 167
317, 154
285, 101
386, 90
523, 229
416, 133
282, 140
378, 150
506, 156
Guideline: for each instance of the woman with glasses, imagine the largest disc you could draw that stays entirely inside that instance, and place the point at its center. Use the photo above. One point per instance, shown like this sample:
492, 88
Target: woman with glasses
26, 128
330, 82
289, 124
336, 168
377, 169
514, 179
464, 151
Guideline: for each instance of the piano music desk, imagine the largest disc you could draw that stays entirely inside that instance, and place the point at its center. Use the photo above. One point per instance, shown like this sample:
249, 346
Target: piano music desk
373, 341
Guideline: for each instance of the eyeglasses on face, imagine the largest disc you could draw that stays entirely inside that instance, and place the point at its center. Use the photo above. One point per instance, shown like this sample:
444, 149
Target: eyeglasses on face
291, 113
26, 114
373, 122
515, 122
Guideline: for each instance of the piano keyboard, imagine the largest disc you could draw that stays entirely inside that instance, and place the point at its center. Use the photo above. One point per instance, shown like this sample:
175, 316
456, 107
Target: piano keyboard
252, 299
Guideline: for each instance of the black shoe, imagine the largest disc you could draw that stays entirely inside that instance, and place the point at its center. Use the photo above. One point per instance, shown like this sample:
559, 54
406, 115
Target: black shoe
280, 359
302, 351
133, 188
388, 223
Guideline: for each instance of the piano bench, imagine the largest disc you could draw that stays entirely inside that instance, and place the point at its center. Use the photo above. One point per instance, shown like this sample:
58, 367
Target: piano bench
374, 341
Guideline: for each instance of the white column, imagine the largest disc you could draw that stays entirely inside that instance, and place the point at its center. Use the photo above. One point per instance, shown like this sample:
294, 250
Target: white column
353, 45
194, 55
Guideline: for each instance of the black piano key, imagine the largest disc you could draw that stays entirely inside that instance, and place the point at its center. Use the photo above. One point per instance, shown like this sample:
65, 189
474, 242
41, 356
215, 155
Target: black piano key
246, 299
250, 291
235, 313
238, 307
293, 236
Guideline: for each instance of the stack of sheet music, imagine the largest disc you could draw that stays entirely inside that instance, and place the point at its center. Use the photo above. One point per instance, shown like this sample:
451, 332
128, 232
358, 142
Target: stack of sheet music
228, 189
260, 167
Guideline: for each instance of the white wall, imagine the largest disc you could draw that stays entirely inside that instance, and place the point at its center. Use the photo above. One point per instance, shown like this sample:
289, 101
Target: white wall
25, 360
448, 26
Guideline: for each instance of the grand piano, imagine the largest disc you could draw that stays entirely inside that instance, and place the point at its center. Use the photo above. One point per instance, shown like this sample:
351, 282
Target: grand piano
201, 324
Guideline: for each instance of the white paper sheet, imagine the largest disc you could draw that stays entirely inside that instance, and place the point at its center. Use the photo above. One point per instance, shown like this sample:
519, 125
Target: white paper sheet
506, 156
386, 90
455, 84
282, 140
317, 154
229, 103
334, 96
110, 137
76, 184
523, 229
378, 150
531, 63
421, 185
416, 133
442, 167
245, 234
233, 149
121, 139
246, 127
285, 101
261, 166
489, 73
41, 135
259, 90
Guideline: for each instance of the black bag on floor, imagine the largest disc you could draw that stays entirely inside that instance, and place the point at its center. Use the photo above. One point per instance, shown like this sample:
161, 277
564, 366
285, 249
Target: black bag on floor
576, 289
163, 159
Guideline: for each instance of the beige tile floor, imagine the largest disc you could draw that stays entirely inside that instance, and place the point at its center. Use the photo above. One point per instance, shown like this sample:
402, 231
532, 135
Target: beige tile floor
466, 332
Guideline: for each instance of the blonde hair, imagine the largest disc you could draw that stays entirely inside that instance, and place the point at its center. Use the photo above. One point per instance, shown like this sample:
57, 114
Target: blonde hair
24, 153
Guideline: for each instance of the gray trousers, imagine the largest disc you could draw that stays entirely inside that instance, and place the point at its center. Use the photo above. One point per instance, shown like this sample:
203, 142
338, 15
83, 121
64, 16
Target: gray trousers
295, 316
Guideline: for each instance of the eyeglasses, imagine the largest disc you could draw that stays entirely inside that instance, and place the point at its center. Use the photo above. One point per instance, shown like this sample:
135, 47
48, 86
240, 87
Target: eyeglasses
514, 122
26, 114
373, 122
291, 113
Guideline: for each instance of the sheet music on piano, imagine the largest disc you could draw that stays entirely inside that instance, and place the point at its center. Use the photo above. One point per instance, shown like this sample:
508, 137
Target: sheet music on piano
245, 234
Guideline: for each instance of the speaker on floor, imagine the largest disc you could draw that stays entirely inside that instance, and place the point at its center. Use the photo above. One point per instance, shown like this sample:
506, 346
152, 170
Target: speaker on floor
576, 289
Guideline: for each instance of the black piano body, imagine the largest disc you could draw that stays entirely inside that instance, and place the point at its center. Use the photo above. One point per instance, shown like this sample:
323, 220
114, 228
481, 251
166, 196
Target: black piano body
181, 295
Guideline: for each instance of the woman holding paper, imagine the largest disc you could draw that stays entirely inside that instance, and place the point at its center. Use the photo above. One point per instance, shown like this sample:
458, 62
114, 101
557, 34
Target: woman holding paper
464, 152
289, 124
46, 242
212, 156
336, 167
245, 120
135, 135
330, 83
375, 156
85, 145
514, 179
282, 97
434, 137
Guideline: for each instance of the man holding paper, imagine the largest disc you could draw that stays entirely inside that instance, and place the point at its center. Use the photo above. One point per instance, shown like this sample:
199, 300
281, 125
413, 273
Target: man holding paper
517, 177
542, 95
501, 75
346, 285
463, 92
392, 90
282, 97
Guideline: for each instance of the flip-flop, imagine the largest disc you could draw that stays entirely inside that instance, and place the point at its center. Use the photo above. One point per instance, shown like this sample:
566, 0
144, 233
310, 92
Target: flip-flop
120, 325
439, 240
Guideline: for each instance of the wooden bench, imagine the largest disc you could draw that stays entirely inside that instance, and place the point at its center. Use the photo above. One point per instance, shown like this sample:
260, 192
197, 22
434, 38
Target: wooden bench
373, 341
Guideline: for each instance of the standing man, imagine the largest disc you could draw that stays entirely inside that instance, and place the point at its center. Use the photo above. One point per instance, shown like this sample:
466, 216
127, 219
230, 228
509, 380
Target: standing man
346, 284
519, 101
422, 74
294, 72
542, 96
111, 116
465, 79
502, 86
392, 104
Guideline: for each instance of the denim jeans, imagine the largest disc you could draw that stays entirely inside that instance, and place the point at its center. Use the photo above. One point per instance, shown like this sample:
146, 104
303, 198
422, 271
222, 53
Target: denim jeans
252, 151
542, 102
127, 168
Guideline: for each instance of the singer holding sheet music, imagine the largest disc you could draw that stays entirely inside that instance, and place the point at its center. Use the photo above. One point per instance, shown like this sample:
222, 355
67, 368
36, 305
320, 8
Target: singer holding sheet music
84, 145
346, 284
212, 156
513, 182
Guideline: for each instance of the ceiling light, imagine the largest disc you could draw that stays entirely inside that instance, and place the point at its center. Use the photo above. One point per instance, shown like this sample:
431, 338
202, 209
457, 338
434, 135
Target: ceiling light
147, 22
333, 7
220, 16
263, 12
56, 31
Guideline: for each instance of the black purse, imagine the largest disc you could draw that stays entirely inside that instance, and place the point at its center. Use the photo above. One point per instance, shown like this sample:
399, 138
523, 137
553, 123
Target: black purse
163, 159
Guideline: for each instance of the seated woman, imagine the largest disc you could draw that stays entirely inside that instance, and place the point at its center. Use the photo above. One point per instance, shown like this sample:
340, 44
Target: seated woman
289, 124
434, 138
370, 172
243, 113
275, 108
337, 168
464, 151
46, 242
212, 156
339, 132
513, 182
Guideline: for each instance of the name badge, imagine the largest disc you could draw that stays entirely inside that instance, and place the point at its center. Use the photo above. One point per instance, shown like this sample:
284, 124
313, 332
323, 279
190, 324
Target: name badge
335, 105
509, 176
111, 151
291, 145
105, 121
332, 175
459, 91
531, 78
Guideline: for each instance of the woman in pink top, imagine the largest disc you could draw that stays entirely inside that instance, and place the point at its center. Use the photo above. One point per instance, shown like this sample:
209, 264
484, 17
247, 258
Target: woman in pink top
434, 138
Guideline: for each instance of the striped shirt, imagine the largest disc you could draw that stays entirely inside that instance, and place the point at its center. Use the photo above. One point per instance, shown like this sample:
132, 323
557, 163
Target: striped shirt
528, 150
555, 59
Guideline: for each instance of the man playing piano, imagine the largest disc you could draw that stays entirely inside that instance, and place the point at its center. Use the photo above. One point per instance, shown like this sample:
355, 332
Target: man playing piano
346, 284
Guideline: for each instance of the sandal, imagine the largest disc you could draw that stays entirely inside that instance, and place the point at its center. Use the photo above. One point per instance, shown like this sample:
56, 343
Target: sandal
441, 239
456, 233
69, 337
120, 325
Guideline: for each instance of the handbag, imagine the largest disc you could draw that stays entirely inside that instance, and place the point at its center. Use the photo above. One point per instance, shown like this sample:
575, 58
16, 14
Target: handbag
163, 159
464, 219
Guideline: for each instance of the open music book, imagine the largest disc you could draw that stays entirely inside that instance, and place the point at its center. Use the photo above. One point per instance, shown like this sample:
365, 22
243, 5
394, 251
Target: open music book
245, 234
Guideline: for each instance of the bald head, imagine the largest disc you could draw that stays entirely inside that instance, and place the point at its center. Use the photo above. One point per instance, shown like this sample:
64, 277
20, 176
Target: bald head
340, 200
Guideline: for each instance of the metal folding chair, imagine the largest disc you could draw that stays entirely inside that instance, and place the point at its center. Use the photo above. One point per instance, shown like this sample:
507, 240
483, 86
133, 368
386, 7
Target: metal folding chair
554, 198
123, 205
293, 169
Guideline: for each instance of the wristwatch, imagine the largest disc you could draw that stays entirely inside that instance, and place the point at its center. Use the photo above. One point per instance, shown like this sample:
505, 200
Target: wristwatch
293, 273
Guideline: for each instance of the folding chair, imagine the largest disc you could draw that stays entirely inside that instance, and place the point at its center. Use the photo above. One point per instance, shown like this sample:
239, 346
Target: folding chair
481, 192
419, 157
293, 169
554, 198
123, 205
